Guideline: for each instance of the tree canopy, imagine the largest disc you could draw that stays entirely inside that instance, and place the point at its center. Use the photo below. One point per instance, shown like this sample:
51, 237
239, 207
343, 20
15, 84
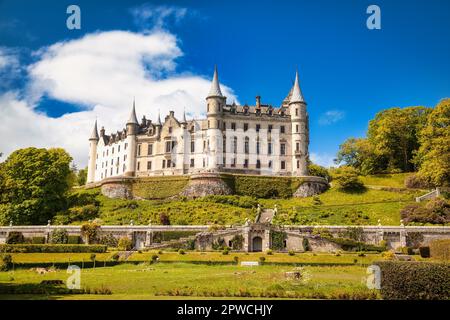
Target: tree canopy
33, 184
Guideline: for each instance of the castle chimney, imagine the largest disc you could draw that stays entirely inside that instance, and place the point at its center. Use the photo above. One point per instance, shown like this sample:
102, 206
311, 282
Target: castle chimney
258, 102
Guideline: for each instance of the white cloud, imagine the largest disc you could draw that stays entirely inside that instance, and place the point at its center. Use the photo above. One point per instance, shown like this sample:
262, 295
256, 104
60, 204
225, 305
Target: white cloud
149, 16
9, 66
331, 116
322, 159
101, 72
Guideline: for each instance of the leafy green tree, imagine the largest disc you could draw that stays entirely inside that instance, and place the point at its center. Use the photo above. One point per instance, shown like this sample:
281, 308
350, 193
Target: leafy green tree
34, 183
393, 134
359, 154
346, 178
82, 177
318, 171
433, 156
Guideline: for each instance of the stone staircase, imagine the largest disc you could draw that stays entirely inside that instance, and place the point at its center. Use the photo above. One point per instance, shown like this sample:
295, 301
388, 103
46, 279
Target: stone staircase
266, 216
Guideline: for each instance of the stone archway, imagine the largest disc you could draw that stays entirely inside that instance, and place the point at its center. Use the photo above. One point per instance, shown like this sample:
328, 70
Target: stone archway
257, 244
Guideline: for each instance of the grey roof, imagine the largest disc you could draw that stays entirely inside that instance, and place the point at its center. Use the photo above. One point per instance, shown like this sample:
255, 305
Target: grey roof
94, 135
133, 118
215, 86
296, 92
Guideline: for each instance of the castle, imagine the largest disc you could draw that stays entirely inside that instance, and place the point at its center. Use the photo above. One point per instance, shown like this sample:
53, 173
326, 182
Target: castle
259, 140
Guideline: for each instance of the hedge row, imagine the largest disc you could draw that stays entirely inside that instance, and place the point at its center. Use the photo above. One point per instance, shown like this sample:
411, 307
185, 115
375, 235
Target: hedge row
159, 188
51, 248
159, 236
405, 280
440, 249
352, 245
262, 186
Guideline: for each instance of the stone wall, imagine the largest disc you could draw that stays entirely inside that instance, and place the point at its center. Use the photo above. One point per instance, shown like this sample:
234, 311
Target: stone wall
311, 186
119, 188
204, 184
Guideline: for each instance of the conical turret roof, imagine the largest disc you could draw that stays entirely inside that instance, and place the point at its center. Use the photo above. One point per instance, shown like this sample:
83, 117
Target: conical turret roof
215, 86
94, 135
133, 118
296, 95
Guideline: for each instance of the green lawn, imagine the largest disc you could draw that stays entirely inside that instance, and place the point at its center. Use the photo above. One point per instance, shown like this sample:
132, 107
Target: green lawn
386, 180
163, 280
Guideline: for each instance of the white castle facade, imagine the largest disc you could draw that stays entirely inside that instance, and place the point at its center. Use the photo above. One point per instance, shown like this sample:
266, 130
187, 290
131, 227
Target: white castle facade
259, 139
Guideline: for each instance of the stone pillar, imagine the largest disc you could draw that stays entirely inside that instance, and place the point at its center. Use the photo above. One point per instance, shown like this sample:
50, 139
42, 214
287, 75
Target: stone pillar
267, 240
246, 234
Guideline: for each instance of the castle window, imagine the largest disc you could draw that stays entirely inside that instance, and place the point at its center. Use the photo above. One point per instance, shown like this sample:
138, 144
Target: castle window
246, 145
224, 161
124, 167
283, 165
150, 149
282, 149
124, 157
224, 145
204, 145
269, 148
138, 166
296, 128
126, 145
258, 127
258, 164
235, 144
209, 126
112, 161
107, 152
149, 165
282, 129
138, 150
170, 129
163, 164
233, 162
112, 151
224, 126
257, 147
207, 108
168, 146
297, 147
246, 163
298, 164
192, 163
169, 163
296, 111
95, 166
117, 170
245, 126
233, 126
204, 163
111, 171
117, 162
269, 129
192, 146
118, 149
101, 175
270, 164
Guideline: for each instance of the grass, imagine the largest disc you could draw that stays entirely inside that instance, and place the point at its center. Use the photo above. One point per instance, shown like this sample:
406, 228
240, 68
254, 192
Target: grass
162, 281
331, 207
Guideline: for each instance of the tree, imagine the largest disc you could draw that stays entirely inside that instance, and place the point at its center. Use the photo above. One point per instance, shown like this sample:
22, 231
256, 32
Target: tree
359, 154
433, 156
82, 177
393, 134
34, 183
318, 171
346, 178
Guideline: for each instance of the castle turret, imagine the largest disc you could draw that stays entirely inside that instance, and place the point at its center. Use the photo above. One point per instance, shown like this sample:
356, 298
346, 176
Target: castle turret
93, 142
300, 134
132, 130
215, 103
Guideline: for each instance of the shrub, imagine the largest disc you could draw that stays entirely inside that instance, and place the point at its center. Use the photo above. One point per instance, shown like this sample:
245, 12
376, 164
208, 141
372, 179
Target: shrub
51, 248
262, 260
181, 251
414, 280
219, 244
124, 244
388, 255
115, 257
109, 240
90, 231
277, 239
346, 178
269, 252
59, 236
6, 262
306, 245
415, 182
226, 251
38, 240
93, 257
164, 219
436, 211
154, 258
440, 249
236, 259
237, 242
73, 239
15, 237
424, 252
291, 253
318, 171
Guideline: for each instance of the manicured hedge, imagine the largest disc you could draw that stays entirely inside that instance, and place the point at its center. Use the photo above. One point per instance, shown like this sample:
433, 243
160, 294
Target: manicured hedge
159, 236
159, 188
51, 248
262, 186
407, 280
440, 249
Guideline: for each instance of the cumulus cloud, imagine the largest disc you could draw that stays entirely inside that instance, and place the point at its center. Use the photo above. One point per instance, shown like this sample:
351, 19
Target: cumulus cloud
331, 116
101, 73
10, 68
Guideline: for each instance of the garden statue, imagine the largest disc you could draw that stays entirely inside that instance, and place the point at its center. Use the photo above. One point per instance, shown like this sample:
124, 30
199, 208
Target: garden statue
379, 222
401, 223
11, 223
275, 210
258, 212
131, 222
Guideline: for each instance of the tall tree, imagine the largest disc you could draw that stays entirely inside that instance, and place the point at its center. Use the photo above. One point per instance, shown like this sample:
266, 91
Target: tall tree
34, 185
394, 135
433, 156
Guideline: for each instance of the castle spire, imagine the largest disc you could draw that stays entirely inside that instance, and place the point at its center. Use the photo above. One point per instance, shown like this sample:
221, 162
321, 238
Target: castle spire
215, 86
133, 118
296, 95
158, 122
94, 135
184, 116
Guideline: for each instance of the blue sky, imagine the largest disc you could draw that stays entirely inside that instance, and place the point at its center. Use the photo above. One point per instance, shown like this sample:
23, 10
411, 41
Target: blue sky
347, 72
